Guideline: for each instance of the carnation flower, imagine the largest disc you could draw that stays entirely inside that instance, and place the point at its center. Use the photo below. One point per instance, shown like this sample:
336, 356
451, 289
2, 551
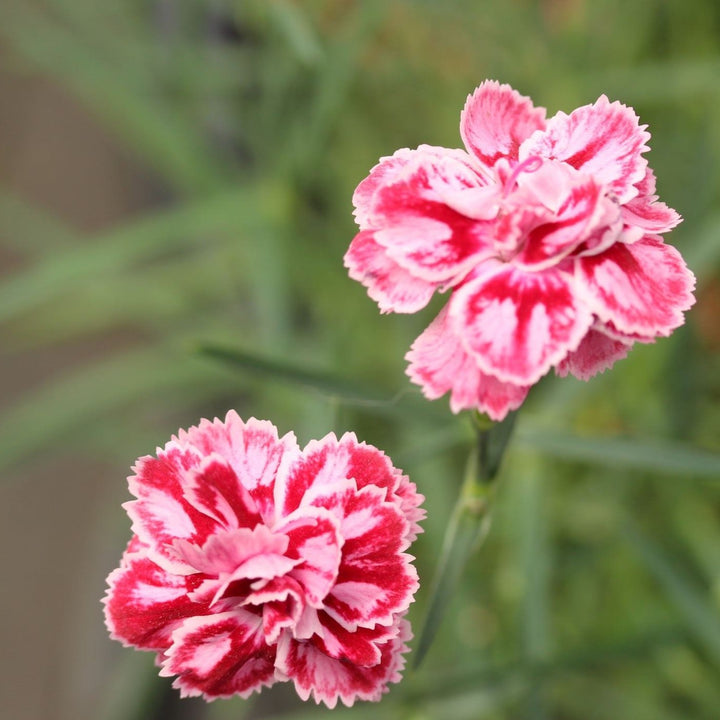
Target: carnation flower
253, 562
548, 234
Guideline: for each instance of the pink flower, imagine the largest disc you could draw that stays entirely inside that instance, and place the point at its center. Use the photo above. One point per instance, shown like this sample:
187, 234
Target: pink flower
547, 232
253, 561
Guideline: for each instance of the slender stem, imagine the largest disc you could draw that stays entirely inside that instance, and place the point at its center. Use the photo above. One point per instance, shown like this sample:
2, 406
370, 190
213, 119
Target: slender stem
469, 523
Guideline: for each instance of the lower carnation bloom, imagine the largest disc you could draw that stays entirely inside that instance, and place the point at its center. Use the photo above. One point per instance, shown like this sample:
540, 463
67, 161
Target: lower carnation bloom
253, 561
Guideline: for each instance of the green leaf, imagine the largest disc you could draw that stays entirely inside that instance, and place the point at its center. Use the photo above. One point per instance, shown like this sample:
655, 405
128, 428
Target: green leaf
171, 142
405, 403
121, 248
325, 383
666, 457
700, 615
59, 409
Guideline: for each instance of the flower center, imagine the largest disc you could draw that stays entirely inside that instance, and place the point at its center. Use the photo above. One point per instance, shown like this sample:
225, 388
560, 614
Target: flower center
529, 165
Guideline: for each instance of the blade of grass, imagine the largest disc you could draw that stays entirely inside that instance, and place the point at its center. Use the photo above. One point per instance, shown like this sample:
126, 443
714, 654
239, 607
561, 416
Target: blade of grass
63, 406
699, 614
160, 133
325, 383
665, 458
120, 248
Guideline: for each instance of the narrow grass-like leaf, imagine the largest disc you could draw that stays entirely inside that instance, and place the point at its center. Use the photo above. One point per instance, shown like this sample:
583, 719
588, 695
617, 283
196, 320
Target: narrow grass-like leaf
120, 248
59, 409
443, 682
652, 456
699, 614
169, 141
325, 383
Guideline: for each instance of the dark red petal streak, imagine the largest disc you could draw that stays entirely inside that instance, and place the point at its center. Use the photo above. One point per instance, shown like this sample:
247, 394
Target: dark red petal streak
375, 580
640, 288
415, 222
315, 541
162, 513
214, 489
604, 140
252, 449
144, 604
517, 324
440, 364
329, 680
220, 656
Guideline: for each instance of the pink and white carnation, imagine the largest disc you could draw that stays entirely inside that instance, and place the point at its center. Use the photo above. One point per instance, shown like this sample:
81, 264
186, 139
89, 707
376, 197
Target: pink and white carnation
547, 232
253, 561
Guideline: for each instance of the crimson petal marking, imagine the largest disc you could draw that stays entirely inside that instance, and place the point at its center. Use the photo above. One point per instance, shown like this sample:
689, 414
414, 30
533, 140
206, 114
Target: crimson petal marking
369, 466
604, 140
328, 679
144, 604
596, 353
392, 287
214, 489
253, 450
358, 646
315, 545
496, 119
517, 324
439, 363
641, 288
161, 512
375, 579
580, 212
220, 655
415, 220
282, 602
380, 175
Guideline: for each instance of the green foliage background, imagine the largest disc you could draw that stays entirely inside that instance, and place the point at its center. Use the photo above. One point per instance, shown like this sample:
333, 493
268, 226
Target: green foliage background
597, 593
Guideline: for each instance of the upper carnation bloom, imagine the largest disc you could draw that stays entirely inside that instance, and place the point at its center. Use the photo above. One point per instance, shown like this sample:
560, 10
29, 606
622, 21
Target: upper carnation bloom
546, 231
253, 561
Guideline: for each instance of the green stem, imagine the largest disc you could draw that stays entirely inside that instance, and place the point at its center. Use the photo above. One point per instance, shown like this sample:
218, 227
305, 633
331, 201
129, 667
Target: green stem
469, 523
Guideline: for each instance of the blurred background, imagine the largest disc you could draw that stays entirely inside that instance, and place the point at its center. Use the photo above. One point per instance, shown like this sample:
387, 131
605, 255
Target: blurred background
176, 174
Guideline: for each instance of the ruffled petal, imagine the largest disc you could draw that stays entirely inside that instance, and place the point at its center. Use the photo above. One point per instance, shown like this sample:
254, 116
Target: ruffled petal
253, 450
161, 512
577, 212
646, 212
220, 656
420, 216
640, 288
440, 364
517, 324
367, 465
144, 603
215, 490
328, 679
392, 287
496, 119
596, 353
375, 580
315, 542
380, 175
604, 140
